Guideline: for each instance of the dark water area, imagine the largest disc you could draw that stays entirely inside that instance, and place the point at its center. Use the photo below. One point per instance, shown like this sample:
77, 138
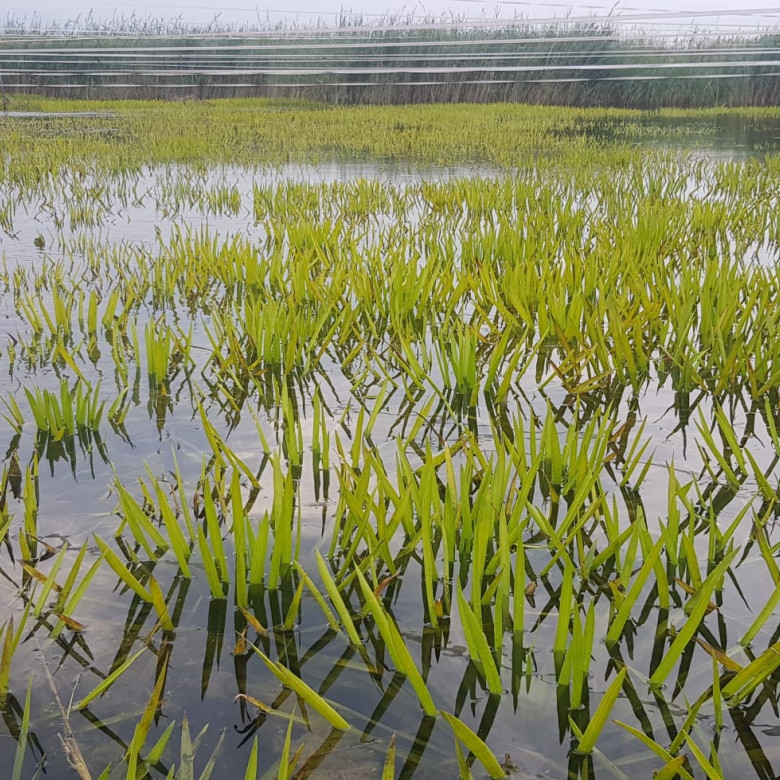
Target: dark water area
731, 135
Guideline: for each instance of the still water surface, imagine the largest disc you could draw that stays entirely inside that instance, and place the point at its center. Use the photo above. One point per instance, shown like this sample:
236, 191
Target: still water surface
527, 727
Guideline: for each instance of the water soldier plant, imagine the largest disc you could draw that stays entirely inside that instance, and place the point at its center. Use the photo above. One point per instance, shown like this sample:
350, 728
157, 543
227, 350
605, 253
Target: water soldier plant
431, 471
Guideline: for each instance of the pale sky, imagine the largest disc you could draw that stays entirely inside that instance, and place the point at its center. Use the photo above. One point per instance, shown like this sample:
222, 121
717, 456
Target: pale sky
671, 15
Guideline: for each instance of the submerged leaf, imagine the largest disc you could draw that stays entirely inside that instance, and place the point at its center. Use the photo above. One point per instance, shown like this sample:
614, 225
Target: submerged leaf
72, 624
253, 621
719, 655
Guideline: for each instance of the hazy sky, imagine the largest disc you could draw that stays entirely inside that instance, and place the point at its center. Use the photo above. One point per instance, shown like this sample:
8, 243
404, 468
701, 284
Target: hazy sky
663, 14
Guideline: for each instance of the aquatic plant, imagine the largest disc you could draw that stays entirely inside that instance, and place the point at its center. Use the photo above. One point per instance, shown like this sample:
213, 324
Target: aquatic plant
425, 436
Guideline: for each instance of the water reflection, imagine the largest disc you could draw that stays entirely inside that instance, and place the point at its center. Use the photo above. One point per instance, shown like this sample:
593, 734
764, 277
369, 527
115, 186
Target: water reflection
403, 453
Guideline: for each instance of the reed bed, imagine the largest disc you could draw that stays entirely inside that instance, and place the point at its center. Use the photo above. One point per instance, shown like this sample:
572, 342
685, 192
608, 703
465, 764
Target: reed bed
601, 61
408, 460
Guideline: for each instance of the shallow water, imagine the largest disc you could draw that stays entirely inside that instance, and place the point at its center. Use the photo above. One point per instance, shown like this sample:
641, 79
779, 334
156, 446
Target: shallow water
76, 498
